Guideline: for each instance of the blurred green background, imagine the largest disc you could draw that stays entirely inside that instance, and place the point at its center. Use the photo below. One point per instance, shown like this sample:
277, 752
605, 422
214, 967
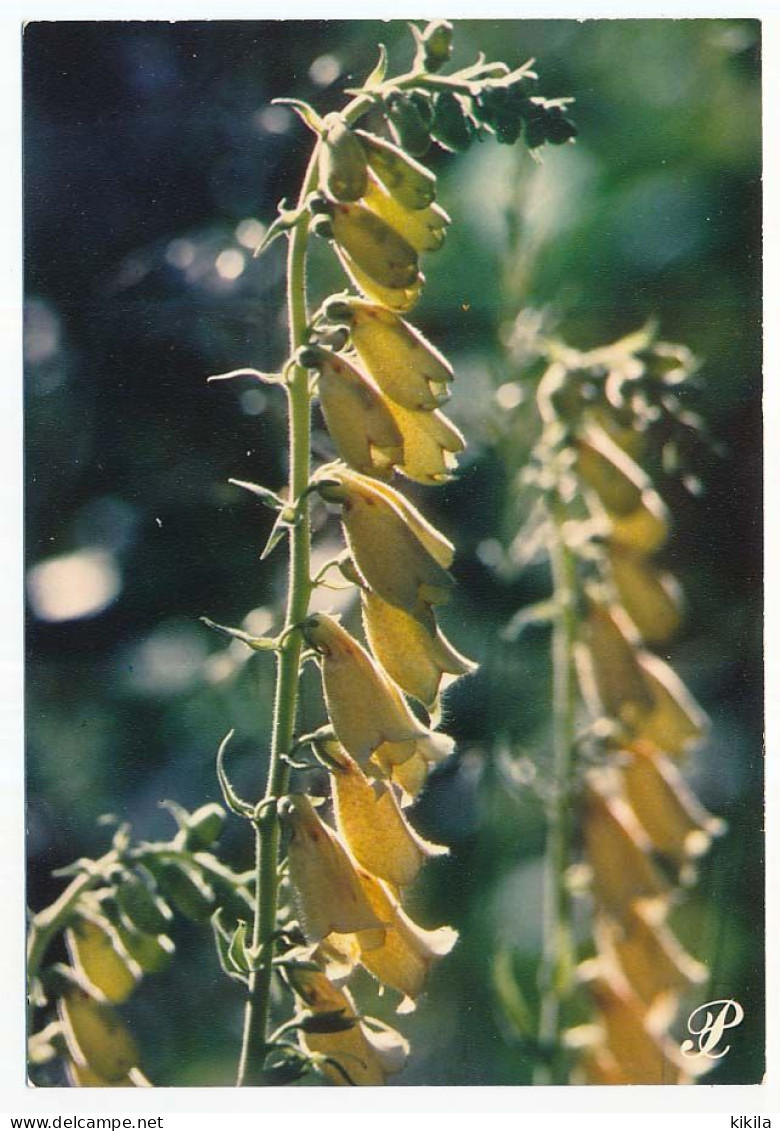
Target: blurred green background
152, 158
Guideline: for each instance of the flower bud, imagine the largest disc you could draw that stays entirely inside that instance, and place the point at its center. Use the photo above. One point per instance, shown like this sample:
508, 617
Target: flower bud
369, 714
420, 663
407, 180
185, 887
96, 1037
653, 961
359, 420
153, 953
406, 367
396, 552
651, 597
618, 852
613, 475
96, 952
376, 248
142, 908
372, 826
342, 162
452, 126
676, 822
424, 229
329, 892
437, 44
204, 826
408, 126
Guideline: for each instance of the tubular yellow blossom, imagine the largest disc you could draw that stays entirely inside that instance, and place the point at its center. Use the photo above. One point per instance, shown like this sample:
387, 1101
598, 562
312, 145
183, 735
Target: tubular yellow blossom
342, 162
431, 444
408, 952
676, 724
651, 596
618, 852
404, 364
330, 894
96, 1037
396, 552
358, 418
369, 715
366, 1056
424, 229
97, 953
609, 666
646, 529
420, 663
399, 299
372, 826
677, 823
407, 180
651, 958
607, 470
376, 248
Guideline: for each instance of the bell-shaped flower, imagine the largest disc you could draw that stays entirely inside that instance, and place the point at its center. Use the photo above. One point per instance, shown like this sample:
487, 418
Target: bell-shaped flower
97, 953
371, 824
396, 551
651, 596
330, 894
366, 1056
676, 724
420, 662
675, 820
376, 248
343, 168
95, 1036
400, 299
612, 679
404, 364
654, 962
618, 852
407, 180
606, 469
645, 529
431, 444
424, 228
359, 420
368, 713
404, 959
644, 1056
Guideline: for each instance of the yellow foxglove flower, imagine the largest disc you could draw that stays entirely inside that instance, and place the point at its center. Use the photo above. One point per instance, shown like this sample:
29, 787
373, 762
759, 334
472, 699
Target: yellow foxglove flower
613, 681
358, 417
424, 228
653, 961
342, 161
676, 724
372, 826
96, 1037
96, 952
367, 1057
408, 952
606, 469
369, 714
396, 552
651, 596
419, 662
617, 850
644, 1056
407, 180
330, 894
431, 444
400, 299
404, 364
676, 822
646, 529
377, 249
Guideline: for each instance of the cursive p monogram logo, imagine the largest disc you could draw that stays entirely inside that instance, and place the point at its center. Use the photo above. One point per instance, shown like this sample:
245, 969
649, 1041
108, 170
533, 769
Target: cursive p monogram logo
708, 1023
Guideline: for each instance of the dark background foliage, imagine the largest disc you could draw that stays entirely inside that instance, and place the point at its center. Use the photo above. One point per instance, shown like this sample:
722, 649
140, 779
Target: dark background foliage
151, 156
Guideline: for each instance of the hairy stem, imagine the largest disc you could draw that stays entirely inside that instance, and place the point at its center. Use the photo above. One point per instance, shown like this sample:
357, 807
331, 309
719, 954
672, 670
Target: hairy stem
555, 972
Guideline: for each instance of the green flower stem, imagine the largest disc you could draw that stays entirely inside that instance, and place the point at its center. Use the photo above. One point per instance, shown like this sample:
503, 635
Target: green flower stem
557, 961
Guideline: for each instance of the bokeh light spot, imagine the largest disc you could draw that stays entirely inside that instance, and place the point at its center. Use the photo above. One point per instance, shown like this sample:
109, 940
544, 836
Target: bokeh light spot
230, 263
73, 585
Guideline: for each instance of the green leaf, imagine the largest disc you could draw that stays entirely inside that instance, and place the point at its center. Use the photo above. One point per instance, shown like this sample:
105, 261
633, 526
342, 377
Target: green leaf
305, 112
287, 219
281, 527
377, 76
256, 643
232, 800
222, 943
510, 995
269, 498
237, 952
266, 378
